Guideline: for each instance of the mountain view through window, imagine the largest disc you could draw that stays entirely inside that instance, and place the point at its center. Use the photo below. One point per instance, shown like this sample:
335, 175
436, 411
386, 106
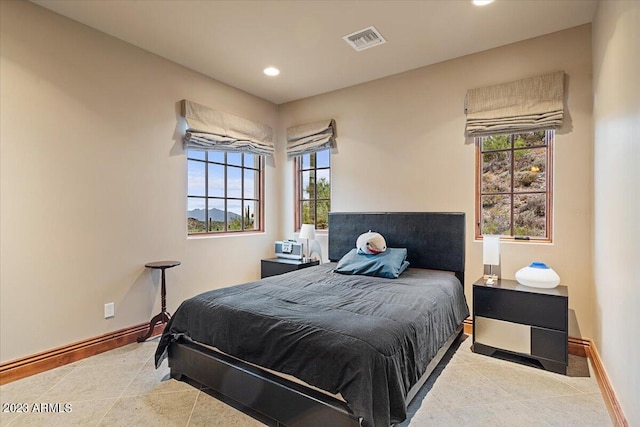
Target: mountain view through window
224, 191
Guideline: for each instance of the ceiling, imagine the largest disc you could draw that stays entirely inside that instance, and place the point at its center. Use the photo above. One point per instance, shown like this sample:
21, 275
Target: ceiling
233, 41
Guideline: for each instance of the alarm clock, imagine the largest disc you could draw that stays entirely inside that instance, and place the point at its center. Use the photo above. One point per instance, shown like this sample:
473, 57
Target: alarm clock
289, 249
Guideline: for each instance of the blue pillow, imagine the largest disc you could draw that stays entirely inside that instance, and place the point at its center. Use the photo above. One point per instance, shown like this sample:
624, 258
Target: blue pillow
390, 263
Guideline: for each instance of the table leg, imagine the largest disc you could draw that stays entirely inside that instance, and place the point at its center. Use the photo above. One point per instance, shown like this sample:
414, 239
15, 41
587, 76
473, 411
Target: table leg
163, 316
163, 292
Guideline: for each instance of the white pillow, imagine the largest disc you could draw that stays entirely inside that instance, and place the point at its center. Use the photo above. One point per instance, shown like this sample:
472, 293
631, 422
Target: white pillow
371, 243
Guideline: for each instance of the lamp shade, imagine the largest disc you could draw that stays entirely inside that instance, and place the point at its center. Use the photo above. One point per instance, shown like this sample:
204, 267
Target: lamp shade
307, 231
491, 250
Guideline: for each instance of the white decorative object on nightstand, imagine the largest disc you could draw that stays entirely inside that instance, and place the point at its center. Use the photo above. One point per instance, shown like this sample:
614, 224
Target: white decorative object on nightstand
538, 275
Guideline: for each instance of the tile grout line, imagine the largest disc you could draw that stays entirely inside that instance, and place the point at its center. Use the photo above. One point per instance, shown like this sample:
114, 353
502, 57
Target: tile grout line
73, 368
490, 381
452, 417
486, 405
193, 407
543, 376
121, 393
468, 366
578, 392
124, 389
440, 403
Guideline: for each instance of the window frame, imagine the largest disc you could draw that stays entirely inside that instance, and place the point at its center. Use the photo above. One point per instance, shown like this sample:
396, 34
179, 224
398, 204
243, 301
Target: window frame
550, 140
258, 169
298, 200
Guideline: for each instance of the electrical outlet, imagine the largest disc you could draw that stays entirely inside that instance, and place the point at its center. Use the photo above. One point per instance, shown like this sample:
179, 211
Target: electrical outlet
109, 310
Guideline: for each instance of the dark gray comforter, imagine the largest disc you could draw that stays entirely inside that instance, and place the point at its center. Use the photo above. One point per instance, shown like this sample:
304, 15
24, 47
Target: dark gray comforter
368, 338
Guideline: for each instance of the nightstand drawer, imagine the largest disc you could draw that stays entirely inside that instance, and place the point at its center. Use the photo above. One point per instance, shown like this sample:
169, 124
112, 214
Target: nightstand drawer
274, 266
545, 311
523, 339
549, 344
500, 334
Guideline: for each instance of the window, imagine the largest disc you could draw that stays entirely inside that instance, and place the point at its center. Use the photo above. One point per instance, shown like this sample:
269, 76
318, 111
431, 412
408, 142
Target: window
313, 189
514, 185
224, 192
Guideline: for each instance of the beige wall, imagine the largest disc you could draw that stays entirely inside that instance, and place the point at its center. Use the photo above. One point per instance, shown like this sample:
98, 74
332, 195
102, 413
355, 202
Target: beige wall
401, 148
616, 254
94, 183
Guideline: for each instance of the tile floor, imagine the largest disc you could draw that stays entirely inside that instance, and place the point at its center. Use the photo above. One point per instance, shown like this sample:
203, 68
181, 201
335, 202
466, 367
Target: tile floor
122, 388
469, 389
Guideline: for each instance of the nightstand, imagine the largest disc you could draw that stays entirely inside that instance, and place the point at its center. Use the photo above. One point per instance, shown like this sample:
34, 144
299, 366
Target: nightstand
524, 321
275, 266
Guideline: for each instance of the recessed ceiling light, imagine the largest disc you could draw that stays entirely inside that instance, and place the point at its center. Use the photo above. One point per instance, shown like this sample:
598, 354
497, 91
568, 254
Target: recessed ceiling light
482, 2
271, 71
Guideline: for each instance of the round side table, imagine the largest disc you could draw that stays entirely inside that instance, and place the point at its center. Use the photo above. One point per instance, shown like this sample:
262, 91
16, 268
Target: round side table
163, 316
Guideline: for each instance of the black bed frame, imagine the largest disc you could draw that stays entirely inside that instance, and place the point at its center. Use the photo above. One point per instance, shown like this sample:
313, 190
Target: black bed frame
433, 240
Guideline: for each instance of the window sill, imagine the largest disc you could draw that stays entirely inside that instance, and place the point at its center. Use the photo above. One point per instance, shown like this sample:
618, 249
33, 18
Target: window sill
518, 241
223, 234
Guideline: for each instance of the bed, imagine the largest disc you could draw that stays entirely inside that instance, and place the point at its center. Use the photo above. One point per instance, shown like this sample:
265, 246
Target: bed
362, 346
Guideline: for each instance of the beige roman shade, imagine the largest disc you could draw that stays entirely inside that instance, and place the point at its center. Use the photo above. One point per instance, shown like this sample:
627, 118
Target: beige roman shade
311, 137
525, 105
209, 129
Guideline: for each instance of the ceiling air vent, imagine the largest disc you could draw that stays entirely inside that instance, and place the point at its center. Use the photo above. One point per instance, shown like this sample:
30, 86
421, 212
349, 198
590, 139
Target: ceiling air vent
364, 39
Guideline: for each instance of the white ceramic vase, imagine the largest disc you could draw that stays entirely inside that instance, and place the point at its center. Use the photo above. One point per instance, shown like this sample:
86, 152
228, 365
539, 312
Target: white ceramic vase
538, 275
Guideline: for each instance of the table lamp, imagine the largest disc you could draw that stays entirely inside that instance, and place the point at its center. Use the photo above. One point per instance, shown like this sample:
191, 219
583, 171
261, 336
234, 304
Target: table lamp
491, 257
307, 231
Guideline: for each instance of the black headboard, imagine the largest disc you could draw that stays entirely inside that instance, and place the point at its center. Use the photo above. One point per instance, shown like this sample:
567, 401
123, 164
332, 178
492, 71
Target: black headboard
434, 240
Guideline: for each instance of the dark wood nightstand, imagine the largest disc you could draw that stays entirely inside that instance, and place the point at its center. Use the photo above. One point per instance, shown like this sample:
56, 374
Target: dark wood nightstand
275, 266
524, 321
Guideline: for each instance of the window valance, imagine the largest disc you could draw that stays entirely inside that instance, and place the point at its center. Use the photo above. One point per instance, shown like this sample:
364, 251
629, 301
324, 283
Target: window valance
311, 137
521, 106
209, 129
